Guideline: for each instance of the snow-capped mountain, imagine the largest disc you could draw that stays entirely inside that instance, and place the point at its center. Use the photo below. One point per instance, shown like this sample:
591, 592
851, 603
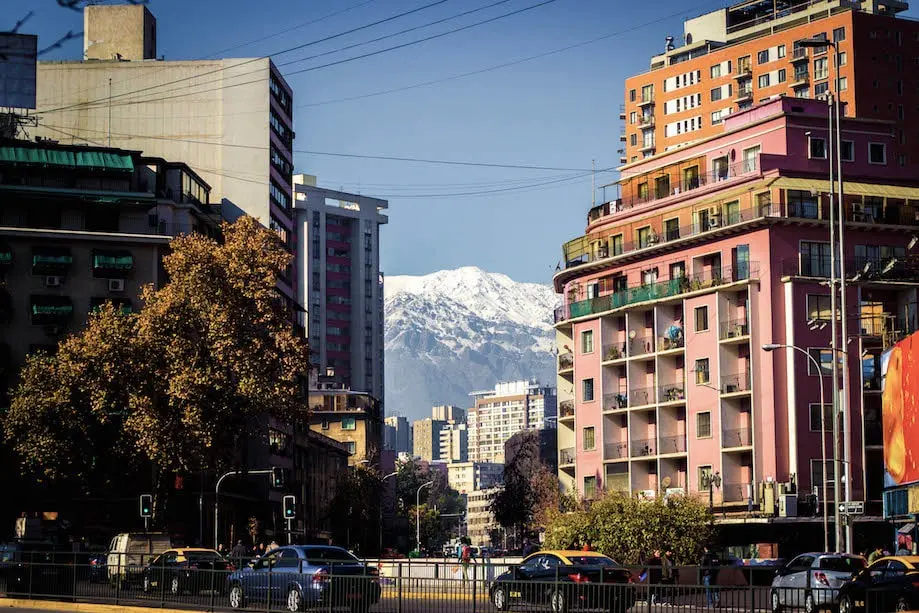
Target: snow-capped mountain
455, 331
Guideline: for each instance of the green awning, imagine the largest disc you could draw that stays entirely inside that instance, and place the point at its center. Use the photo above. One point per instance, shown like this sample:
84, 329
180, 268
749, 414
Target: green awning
52, 260
122, 305
117, 262
6, 255
55, 310
95, 160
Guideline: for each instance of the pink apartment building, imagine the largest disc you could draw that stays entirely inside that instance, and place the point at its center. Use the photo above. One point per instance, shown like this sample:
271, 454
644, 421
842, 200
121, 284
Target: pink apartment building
712, 250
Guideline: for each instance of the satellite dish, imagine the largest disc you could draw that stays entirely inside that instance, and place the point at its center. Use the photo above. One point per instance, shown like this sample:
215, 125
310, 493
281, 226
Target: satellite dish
666, 482
632, 334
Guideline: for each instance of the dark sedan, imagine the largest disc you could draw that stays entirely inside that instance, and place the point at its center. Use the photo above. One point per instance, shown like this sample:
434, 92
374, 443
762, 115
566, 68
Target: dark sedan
191, 569
888, 584
564, 580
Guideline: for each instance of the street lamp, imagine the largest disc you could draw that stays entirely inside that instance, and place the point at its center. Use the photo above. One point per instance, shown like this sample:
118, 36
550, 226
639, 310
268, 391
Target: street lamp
826, 528
418, 515
711, 482
382, 483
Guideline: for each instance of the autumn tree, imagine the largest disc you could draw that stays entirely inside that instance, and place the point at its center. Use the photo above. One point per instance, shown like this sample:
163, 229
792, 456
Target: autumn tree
182, 383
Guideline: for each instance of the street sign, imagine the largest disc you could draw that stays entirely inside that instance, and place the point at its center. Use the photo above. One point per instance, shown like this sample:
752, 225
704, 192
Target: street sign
855, 507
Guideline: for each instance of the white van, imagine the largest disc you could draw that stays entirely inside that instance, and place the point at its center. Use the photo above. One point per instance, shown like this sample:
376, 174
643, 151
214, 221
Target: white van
129, 552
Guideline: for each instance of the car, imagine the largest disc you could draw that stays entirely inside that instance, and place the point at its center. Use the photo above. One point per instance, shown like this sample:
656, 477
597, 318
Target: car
306, 576
564, 580
36, 568
186, 569
812, 581
888, 584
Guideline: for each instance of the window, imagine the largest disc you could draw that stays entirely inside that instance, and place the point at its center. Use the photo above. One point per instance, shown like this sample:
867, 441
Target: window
821, 68
647, 93
672, 229
678, 270
643, 191
631, 95
843, 84
716, 118
701, 318
843, 58
827, 417
587, 341
763, 80
590, 487
750, 157
325, 424
704, 475
824, 357
644, 237
816, 148
839, 34
702, 374
716, 71
716, 94
348, 423
781, 51
877, 153
781, 76
616, 244
762, 57
587, 390
743, 64
847, 150
633, 117
818, 308
590, 441
633, 140
351, 446
704, 424
821, 89
803, 92
817, 473
815, 258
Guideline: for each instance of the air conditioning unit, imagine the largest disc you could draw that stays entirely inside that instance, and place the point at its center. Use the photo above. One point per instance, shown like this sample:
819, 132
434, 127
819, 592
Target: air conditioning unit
53, 281
788, 505
674, 491
116, 285
714, 222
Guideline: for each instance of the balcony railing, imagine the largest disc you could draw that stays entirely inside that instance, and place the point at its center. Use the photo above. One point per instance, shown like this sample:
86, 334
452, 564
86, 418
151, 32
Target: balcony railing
646, 121
739, 382
646, 100
672, 392
641, 397
566, 409
615, 451
566, 456
734, 328
656, 291
744, 92
643, 447
613, 351
667, 343
565, 361
673, 444
641, 345
799, 54
734, 492
738, 437
611, 402
890, 269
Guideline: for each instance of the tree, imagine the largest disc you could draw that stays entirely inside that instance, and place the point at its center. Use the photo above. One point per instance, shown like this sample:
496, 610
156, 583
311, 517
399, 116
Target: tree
356, 508
628, 529
437, 500
183, 383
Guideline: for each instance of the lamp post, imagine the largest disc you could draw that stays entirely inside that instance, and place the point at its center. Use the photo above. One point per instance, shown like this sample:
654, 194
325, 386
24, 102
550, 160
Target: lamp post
840, 401
383, 483
418, 515
826, 528
711, 482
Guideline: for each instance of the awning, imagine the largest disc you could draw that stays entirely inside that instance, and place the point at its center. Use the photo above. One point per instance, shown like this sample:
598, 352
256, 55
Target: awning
95, 160
122, 305
849, 187
6, 254
117, 261
39, 259
905, 528
54, 310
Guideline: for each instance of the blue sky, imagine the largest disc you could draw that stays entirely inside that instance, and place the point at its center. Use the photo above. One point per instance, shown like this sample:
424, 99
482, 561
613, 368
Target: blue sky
557, 111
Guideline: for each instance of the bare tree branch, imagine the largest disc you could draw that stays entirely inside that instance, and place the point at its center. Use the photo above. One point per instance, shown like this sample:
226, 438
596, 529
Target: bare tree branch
60, 42
21, 22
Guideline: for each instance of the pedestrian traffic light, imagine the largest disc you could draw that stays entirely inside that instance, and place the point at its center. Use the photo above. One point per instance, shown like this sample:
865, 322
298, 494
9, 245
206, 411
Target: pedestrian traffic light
290, 510
277, 477
146, 505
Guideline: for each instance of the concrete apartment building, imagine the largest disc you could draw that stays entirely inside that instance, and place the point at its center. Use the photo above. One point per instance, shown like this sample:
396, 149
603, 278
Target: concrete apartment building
229, 119
735, 57
501, 412
466, 477
426, 438
480, 521
340, 284
397, 434
668, 299
449, 413
454, 442
352, 418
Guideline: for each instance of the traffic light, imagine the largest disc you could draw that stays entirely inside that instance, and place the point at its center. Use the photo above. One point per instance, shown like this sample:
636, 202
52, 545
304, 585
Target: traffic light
277, 477
290, 510
146, 505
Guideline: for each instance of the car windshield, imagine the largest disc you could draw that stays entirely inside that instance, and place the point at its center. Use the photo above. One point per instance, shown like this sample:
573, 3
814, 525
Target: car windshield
846, 565
591, 561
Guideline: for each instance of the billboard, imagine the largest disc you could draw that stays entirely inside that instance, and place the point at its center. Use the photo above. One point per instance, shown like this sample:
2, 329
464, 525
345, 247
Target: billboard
18, 58
900, 412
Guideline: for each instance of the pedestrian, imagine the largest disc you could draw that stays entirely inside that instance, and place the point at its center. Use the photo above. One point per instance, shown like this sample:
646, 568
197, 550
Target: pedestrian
239, 553
875, 554
586, 547
459, 549
468, 557
273, 545
668, 578
654, 577
709, 565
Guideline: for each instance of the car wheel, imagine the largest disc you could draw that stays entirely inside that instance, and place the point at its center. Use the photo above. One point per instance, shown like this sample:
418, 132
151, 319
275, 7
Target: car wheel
809, 605
902, 604
558, 602
237, 597
174, 587
774, 599
845, 605
499, 598
294, 600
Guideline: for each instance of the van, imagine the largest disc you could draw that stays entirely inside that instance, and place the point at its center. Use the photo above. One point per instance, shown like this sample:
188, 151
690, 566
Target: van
129, 552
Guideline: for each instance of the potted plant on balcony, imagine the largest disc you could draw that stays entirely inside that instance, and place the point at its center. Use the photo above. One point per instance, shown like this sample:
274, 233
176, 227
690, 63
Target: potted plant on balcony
612, 353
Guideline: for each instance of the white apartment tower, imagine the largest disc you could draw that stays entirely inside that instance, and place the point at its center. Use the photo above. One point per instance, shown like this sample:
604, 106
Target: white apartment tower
505, 410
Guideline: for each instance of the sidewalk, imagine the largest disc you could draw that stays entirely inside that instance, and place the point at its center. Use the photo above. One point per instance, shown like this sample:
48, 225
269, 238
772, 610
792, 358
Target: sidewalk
56, 605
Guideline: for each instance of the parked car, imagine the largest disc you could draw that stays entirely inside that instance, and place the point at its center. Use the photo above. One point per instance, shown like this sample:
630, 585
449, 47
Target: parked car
305, 576
565, 580
812, 581
36, 568
188, 569
129, 552
888, 584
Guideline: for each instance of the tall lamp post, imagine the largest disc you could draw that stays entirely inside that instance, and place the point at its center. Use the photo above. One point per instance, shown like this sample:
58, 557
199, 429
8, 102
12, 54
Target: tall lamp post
418, 515
843, 401
382, 484
712, 481
826, 528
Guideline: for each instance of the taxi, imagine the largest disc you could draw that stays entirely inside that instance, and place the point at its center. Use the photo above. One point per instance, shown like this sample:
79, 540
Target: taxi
888, 584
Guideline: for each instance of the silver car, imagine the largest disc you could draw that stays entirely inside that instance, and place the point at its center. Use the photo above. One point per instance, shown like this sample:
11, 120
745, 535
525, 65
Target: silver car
812, 580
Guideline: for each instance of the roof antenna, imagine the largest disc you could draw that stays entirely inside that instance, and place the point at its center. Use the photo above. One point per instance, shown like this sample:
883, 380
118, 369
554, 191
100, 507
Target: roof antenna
593, 182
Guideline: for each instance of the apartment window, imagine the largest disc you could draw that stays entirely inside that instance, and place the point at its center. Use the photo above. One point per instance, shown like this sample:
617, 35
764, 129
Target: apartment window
781, 76
817, 473
590, 439
743, 64
839, 34
702, 372
877, 153
716, 94
843, 85
351, 446
824, 357
590, 487
704, 424
763, 80
750, 157
633, 117
847, 151
716, 71
348, 423
631, 95
803, 92
821, 68
678, 270
816, 148
815, 425
821, 88
587, 390
901, 160
781, 51
672, 229
587, 341
815, 258
762, 57
633, 140
647, 93
701, 318
644, 237
843, 58
716, 118
818, 308
704, 475
649, 277
616, 244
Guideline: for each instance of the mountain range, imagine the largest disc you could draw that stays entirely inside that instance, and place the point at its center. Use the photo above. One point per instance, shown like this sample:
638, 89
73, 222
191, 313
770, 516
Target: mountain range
453, 332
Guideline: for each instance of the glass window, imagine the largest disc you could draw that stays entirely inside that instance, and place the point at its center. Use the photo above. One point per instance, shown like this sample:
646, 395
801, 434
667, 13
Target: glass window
824, 357
587, 390
703, 377
716, 118
817, 473
781, 51
633, 117
816, 148
821, 68
839, 34
821, 88
781, 76
633, 140
704, 475
815, 259
815, 416
587, 341
704, 424
843, 58
716, 94
763, 80
616, 244
632, 95
818, 308
750, 157
847, 151
590, 441
762, 57
701, 319
877, 153
348, 423
351, 446
716, 71
590, 487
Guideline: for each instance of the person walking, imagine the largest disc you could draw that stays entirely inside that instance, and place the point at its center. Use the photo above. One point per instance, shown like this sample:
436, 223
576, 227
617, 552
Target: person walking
654, 577
709, 565
668, 578
239, 554
467, 558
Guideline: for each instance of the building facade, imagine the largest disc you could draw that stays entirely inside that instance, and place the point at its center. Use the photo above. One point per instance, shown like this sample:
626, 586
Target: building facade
319, 463
668, 299
508, 408
750, 52
454, 443
397, 435
465, 477
426, 438
351, 418
480, 521
448, 413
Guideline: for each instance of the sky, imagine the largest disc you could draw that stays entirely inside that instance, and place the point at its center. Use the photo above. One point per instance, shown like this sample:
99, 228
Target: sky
560, 110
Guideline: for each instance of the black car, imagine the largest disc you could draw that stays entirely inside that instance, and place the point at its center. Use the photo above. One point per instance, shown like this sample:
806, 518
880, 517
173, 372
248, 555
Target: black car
191, 569
36, 568
888, 584
564, 580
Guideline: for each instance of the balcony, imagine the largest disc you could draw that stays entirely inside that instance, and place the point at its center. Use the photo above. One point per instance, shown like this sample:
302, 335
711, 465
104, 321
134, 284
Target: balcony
646, 146
566, 456
800, 79
738, 437
613, 351
51, 261
111, 264
621, 112
645, 101
641, 346
799, 55
613, 402
566, 409
673, 444
643, 448
672, 392
744, 93
743, 72
736, 383
565, 362
50, 310
734, 492
646, 121
667, 343
615, 451
877, 270
656, 291
641, 397
734, 329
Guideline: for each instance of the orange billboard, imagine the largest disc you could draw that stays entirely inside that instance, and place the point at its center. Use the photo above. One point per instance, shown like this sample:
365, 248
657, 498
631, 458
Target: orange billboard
900, 412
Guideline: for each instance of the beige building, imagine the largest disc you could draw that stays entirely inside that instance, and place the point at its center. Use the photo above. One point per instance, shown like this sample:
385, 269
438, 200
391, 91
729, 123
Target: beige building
454, 443
351, 418
426, 438
500, 413
480, 521
466, 477
448, 413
